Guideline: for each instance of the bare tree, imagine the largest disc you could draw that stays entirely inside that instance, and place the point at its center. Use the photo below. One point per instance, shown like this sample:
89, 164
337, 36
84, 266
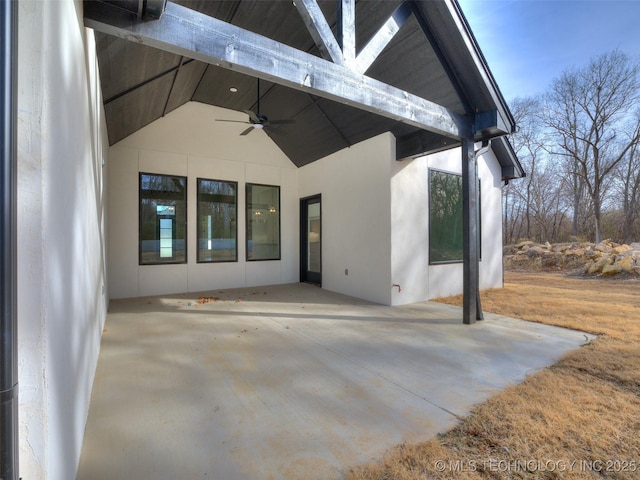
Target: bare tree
587, 111
512, 208
528, 145
548, 208
538, 207
629, 175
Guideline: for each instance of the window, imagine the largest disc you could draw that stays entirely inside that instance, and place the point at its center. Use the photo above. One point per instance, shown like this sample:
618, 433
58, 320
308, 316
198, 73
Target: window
263, 222
445, 217
217, 221
163, 219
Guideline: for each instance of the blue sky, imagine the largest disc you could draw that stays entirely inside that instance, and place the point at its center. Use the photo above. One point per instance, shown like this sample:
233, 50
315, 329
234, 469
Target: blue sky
528, 43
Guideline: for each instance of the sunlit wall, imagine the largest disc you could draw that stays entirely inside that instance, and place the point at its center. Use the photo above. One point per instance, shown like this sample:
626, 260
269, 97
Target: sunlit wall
62, 294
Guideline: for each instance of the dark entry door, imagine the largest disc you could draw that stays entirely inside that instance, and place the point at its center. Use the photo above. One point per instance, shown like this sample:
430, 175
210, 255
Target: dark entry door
311, 240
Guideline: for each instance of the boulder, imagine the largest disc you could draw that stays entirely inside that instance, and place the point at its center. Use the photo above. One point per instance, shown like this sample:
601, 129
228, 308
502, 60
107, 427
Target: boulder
598, 265
626, 263
621, 249
535, 251
591, 253
551, 261
610, 270
603, 247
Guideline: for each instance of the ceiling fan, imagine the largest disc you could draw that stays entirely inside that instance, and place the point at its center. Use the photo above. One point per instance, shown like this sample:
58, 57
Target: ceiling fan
258, 121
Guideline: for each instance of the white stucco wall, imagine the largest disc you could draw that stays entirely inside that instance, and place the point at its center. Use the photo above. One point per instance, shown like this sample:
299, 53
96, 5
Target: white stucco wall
190, 142
491, 267
410, 228
61, 226
356, 228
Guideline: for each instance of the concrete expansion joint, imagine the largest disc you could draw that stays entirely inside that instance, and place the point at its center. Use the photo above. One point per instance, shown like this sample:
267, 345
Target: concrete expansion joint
364, 367
446, 410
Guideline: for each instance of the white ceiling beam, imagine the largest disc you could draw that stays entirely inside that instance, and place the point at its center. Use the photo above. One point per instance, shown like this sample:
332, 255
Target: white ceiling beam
382, 37
320, 30
347, 30
187, 32
324, 39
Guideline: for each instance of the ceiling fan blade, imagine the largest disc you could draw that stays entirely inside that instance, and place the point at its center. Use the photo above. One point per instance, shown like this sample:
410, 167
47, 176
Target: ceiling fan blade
253, 116
232, 121
248, 131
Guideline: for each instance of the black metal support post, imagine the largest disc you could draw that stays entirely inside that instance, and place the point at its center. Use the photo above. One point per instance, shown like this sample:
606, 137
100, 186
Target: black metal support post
472, 310
8, 273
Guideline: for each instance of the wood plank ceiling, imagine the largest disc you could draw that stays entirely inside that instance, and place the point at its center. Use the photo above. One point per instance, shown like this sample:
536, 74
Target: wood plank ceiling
141, 84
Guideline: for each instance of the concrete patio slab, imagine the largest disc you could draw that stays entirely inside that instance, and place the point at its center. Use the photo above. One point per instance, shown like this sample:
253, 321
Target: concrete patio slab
291, 381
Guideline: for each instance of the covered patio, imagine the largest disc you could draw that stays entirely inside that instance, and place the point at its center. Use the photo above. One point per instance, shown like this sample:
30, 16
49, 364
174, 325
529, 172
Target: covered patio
290, 381
221, 390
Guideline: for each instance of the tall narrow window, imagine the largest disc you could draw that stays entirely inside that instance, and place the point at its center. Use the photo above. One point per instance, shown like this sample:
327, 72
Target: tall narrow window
217, 221
263, 222
445, 217
163, 219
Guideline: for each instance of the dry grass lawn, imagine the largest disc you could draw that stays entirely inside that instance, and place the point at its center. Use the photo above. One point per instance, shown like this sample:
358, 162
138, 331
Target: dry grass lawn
579, 418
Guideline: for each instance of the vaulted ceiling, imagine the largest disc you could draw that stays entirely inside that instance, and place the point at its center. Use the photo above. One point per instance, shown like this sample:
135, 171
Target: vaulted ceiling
433, 56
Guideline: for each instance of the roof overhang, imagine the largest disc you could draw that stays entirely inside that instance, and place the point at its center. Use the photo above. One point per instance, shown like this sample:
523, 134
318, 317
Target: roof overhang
359, 93
511, 167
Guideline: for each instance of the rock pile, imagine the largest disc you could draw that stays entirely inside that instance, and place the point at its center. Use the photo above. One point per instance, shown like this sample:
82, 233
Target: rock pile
605, 258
